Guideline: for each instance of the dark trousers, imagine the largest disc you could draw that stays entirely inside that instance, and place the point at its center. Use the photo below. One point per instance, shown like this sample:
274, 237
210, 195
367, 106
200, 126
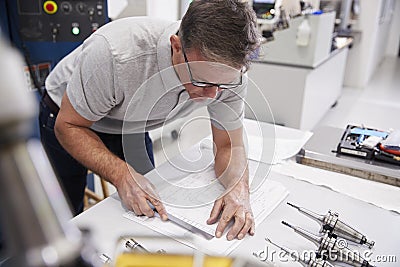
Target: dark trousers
135, 149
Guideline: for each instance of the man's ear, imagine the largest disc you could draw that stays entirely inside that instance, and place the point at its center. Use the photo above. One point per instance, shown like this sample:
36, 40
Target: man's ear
175, 43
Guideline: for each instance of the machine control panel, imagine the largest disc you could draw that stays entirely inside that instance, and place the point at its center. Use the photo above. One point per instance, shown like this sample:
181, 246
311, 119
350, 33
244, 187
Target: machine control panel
59, 21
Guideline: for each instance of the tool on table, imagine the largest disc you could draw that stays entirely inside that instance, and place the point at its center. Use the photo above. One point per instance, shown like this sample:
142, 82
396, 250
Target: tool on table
332, 245
331, 223
142, 252
305, 261
104, 258
133, 245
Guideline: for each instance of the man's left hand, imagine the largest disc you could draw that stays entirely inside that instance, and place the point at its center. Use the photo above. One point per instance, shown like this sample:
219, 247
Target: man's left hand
233, 206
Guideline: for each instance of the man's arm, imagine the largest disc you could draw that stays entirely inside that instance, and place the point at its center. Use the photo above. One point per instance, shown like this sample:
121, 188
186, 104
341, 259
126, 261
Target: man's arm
232, 171
73, 133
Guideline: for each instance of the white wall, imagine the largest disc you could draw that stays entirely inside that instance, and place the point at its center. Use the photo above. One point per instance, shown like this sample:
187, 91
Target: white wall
394, 36
130, 8
369, 51
168, 10
379, 44
163, 9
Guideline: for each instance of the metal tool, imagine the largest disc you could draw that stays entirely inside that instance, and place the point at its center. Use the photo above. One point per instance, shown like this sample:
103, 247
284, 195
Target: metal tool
185, 224
132, 244
308, 262
331, 223
331, 245
104, 258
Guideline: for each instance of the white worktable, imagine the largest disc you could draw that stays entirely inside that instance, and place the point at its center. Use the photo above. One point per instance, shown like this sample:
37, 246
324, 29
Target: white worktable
381, 225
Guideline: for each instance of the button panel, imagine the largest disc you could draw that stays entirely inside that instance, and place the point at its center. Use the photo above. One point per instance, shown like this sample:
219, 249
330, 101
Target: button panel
54, 22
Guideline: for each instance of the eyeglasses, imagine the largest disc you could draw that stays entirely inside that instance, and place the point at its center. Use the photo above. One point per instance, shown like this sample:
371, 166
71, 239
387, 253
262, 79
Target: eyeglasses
208, 84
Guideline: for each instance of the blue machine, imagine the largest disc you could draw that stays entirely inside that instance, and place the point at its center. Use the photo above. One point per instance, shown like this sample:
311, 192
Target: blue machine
46, 31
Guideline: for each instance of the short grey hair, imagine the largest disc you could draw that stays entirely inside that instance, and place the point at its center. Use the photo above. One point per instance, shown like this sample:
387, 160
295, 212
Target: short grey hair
224, 31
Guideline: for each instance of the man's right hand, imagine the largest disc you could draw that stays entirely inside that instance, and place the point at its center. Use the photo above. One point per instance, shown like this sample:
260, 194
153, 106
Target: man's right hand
136, 191
72, 131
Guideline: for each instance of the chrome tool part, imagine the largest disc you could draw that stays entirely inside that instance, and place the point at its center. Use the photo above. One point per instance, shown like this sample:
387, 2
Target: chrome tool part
330, 245
331, 223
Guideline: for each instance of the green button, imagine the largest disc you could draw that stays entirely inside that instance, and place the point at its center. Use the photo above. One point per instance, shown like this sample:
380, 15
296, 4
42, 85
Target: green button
75, 30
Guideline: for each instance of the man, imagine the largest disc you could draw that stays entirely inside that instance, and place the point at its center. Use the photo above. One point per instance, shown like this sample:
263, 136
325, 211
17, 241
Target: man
134, 74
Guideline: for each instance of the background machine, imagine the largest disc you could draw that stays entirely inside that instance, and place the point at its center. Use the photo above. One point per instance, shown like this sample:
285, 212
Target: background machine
46, 31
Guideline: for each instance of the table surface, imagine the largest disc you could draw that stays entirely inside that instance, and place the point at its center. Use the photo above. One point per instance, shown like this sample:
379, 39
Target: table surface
107, 223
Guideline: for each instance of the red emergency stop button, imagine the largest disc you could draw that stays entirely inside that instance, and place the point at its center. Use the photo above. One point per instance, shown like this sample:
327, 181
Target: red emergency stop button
50, 7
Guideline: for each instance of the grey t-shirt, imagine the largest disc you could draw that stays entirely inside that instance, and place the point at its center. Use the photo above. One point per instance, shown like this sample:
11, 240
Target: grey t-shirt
122, 78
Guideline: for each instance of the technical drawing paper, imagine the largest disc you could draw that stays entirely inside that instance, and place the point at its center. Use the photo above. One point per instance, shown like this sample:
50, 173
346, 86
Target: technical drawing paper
263, 200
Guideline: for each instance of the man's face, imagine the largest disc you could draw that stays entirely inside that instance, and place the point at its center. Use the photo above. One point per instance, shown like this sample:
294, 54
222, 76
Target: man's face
193, 69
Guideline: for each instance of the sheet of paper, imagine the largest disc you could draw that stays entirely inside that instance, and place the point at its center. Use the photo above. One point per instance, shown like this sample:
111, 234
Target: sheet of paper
271, 144
194, 214
379, 194
264, 200
284, 148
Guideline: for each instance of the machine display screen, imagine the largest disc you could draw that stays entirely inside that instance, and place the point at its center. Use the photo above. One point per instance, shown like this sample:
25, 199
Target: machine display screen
31, 7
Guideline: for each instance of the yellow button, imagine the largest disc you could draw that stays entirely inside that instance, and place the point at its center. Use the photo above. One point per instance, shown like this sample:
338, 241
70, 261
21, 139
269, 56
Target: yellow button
50, 7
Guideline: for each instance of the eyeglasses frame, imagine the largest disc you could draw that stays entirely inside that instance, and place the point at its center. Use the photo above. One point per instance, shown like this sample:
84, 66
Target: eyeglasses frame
224, 86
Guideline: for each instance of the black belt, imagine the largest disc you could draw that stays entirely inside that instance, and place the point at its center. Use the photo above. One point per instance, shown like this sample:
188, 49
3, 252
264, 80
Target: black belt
50, 103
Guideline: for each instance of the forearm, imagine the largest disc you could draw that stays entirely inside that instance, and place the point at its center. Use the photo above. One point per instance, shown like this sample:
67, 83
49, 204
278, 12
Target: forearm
87, 148
231, 166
